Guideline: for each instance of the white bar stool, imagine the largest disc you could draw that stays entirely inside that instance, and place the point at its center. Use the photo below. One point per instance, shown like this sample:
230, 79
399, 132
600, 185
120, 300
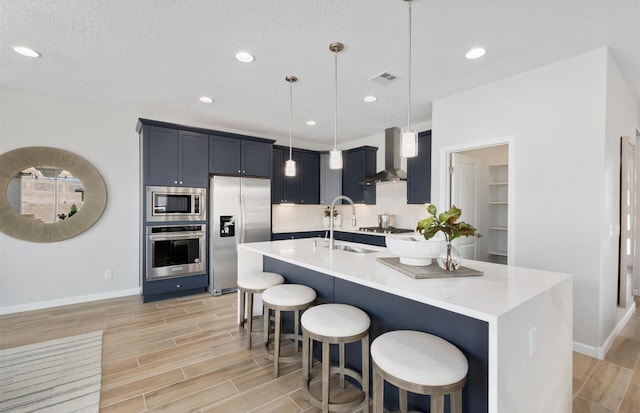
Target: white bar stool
279, 298
248, 285
335, 324
420, 363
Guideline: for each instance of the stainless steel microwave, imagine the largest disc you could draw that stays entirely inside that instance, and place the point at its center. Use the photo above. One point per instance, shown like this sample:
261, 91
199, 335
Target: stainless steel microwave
167, 203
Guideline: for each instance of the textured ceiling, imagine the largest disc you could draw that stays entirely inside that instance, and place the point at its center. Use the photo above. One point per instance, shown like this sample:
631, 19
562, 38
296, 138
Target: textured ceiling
157, 57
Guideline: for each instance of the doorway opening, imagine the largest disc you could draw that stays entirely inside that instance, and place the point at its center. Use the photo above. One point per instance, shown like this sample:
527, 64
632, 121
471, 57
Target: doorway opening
479, 181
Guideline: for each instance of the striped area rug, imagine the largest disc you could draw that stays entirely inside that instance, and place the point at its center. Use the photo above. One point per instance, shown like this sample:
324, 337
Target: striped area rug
61, 375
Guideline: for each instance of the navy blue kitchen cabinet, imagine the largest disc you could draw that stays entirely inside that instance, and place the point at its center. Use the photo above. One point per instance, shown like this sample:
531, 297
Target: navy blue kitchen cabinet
174, 287
239, 156
376, 240
419, 172
297, 235
309, 172
277, 176
359, 163
304, 188
174, 157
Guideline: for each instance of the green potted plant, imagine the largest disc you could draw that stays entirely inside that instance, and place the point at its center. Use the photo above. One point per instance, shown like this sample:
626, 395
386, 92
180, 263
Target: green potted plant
447, 223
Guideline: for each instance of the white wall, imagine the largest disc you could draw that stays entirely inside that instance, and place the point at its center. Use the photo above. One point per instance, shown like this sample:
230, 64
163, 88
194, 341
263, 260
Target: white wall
621, 120
556, 115
36, 275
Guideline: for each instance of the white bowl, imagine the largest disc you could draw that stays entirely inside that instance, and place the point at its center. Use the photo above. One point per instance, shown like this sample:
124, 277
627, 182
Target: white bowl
414, 249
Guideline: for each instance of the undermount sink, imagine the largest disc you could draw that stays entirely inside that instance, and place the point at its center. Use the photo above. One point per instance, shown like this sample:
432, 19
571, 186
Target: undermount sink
353, 249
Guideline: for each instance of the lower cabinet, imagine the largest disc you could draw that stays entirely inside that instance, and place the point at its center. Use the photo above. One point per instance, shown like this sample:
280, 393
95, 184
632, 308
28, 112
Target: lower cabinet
376, 240
174, 287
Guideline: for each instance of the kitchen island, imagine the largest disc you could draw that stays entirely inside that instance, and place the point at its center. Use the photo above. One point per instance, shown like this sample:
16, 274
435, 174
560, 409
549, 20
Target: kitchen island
513, 324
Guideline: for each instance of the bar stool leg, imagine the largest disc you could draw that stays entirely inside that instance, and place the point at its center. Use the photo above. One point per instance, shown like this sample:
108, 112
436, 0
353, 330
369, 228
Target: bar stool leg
243, 311
402, 400
296, 329
378, 390
437, 404
265, 324
249, 320
276, 345
341, 347
455, 401
326, 364
306, 360
365, 372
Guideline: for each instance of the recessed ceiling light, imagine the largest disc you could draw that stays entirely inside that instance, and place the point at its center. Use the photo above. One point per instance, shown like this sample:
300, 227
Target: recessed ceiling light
311, 123
245, 57
206, 99
475, 53
26, 51
370, 99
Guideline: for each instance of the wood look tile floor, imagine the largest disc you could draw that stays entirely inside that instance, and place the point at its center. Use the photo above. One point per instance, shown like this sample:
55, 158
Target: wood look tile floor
186, 355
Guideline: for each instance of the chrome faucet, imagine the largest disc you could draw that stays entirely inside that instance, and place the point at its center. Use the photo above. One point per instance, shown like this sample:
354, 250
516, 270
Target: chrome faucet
353, 218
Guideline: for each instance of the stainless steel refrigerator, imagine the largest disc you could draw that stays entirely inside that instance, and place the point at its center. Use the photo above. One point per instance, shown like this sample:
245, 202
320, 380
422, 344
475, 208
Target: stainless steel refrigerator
240, 213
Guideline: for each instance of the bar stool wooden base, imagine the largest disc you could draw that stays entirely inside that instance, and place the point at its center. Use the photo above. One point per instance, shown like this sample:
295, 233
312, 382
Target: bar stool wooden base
419, 363
249, 285
279, 298
335, 324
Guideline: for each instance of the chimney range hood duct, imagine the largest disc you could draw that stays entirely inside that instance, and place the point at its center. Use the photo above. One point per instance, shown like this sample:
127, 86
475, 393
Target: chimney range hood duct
392, 151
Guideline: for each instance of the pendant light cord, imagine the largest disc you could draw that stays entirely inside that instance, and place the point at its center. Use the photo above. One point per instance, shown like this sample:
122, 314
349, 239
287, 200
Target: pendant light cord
409, 98
290, 115
335, 118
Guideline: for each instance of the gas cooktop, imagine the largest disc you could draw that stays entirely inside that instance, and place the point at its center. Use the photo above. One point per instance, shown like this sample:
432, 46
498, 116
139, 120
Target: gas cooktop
389, 230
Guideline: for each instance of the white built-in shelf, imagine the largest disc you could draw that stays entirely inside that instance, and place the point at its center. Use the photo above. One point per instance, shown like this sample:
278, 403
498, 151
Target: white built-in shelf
498, 253
498, 230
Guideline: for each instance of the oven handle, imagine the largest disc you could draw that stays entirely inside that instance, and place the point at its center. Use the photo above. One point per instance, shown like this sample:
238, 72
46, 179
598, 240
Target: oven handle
177, 236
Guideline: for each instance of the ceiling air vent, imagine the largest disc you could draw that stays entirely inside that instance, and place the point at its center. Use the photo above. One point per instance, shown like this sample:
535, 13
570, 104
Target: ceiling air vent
384, 78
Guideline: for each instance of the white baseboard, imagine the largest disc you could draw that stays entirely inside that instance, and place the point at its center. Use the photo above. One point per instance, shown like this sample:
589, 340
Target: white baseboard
66, 301
601, 352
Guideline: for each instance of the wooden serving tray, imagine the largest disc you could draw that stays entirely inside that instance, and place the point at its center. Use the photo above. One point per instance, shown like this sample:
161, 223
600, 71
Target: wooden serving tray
427, 271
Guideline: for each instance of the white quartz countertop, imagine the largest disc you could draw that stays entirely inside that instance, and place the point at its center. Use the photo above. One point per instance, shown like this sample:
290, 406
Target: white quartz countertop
499, 290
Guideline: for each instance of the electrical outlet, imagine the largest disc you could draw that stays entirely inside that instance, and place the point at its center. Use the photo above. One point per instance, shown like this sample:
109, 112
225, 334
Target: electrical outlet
108, 274
532, 341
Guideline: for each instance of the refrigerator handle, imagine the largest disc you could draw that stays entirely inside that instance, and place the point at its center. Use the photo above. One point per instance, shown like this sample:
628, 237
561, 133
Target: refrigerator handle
240, 239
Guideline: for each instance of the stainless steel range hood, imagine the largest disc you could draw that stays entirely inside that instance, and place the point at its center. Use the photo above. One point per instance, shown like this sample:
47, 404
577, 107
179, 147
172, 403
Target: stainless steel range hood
392, 151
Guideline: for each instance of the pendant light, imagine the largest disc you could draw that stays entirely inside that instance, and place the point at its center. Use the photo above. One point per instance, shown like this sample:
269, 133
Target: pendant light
335, 156
409, 137
290, 165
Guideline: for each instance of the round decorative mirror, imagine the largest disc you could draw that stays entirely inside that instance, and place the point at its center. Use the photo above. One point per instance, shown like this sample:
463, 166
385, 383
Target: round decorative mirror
48, 194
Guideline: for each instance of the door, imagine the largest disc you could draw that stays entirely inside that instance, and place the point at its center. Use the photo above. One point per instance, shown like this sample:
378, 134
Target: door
256, 216
224, 226
464, 195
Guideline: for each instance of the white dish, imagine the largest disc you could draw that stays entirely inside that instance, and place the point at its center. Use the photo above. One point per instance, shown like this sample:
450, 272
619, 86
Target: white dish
414, 249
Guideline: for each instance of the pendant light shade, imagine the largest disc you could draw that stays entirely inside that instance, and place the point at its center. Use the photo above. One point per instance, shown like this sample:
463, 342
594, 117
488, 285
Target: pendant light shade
335, 156
409, 136
290, 165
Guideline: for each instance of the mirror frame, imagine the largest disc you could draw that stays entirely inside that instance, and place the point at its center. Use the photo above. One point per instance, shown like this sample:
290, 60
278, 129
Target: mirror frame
28, 229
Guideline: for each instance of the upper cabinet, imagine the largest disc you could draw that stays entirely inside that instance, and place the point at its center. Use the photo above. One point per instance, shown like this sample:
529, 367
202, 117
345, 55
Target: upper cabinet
174, 157
304, 188
359, 163
419, 172
330, 181
237, 156
309, 173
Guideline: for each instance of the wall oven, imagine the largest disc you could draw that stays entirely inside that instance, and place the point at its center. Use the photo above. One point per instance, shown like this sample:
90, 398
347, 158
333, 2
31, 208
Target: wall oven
175, 251
167, 203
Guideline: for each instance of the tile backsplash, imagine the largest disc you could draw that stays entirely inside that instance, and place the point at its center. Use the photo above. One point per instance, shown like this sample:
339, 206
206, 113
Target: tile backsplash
390, 197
